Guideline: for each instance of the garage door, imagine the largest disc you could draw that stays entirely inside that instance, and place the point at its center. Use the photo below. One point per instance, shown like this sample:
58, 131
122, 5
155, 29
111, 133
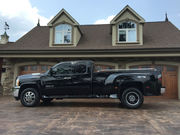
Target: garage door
99, 67
28, 69
33, 69
169, 79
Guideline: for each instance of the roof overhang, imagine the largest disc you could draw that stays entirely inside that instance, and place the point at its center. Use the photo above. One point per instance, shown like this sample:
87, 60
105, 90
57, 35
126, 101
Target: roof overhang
160, 52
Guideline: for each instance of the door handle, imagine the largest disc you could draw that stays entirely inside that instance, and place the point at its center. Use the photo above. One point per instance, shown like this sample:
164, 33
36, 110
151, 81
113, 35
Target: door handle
67, 78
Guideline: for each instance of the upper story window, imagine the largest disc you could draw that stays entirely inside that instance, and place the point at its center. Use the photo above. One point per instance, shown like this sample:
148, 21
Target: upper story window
127, 32
63, 34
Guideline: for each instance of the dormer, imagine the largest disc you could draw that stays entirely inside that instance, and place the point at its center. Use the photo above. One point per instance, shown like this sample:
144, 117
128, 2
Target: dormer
64, 30
127, 28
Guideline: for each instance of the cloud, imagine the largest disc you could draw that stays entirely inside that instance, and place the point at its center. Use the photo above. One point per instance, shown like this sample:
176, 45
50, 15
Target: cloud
21, 17
105, 21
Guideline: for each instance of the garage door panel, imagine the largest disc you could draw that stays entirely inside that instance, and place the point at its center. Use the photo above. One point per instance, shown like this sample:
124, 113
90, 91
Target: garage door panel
99, 67
29, 69
169, 79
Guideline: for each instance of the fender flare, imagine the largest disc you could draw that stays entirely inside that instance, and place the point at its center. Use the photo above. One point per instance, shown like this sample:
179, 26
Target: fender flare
31, 84
112, 78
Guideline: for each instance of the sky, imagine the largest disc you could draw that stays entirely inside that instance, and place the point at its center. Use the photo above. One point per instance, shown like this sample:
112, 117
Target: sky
22, 15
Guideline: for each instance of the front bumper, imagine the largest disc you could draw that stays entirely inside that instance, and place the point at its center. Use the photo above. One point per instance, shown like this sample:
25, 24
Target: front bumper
163, 90
16, 91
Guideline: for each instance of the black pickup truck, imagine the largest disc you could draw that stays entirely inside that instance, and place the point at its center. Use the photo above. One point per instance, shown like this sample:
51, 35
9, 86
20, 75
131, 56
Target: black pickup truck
78, 79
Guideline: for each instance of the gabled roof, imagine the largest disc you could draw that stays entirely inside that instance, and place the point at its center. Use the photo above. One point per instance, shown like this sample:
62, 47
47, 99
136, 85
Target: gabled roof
113, 21
98, 37
59, 14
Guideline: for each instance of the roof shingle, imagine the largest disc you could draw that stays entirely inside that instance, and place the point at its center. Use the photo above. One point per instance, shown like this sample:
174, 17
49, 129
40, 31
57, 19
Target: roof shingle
98, 37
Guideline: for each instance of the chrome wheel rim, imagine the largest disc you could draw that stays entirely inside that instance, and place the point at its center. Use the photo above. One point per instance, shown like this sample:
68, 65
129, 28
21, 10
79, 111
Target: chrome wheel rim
29, 97
132, 98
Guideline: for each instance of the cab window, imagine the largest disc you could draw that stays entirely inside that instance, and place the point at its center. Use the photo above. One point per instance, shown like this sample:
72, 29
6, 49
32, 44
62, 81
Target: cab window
70, 68
79, 68
64, 68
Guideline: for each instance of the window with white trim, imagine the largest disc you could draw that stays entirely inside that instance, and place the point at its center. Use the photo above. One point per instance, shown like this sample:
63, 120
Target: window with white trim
63, 34
127, 32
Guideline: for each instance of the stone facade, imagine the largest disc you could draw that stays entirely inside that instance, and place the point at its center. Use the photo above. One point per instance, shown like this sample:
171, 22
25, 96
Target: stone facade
1, 90
7, 77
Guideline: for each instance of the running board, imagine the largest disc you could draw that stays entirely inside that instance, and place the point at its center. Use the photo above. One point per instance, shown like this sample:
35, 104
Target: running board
81, 96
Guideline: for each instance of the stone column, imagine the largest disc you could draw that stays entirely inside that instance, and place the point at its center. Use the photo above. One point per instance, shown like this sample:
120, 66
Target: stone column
1, 90
7, 77
179, 81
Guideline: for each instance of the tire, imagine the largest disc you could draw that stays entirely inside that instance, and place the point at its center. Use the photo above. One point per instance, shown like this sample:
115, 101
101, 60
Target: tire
47, 100
29, 97
132, 98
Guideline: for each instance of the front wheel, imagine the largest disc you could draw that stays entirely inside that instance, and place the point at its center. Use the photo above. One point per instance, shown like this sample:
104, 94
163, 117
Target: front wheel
29, 97
132, 98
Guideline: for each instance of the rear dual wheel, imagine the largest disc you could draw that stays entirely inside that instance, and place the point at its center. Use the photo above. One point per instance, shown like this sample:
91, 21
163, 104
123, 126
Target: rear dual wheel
132, 98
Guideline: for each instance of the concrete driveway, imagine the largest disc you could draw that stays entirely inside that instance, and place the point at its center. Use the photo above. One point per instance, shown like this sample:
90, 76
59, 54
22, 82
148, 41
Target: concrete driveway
90, 117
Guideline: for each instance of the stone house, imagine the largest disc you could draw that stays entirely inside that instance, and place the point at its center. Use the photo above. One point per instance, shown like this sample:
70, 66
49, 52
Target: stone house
127, 42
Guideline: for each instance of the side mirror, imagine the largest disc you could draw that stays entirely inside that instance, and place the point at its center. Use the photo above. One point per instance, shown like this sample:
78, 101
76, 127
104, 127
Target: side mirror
52, 71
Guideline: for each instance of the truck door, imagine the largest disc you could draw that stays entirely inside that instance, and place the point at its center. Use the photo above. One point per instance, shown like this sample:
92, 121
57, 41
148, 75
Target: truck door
68, 78
81, 79
59, 81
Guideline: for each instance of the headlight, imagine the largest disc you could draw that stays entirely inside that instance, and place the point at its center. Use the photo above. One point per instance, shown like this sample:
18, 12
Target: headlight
17, 82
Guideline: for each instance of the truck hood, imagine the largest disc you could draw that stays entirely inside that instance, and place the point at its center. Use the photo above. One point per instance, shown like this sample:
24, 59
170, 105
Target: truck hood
30, 76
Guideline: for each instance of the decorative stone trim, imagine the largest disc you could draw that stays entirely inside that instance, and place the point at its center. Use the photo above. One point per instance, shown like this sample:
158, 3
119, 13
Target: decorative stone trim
7, 77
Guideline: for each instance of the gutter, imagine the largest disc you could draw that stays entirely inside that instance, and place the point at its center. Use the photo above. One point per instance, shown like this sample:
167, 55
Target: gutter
92, 51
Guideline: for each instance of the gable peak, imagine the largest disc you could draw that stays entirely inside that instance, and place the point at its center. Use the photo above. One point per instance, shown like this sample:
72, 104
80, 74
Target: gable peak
63, 11
127, 8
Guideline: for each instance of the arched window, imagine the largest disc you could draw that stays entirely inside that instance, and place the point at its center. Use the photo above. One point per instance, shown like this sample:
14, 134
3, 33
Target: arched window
63, 34
127, 32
